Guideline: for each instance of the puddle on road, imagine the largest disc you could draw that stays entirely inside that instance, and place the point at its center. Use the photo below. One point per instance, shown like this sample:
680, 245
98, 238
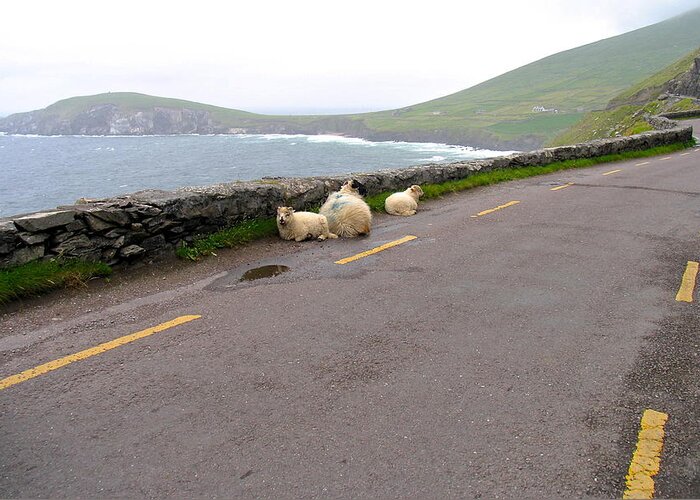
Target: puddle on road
263, 272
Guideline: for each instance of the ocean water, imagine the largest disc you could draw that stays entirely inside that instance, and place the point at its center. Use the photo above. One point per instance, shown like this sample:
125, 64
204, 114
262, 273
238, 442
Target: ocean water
40, 173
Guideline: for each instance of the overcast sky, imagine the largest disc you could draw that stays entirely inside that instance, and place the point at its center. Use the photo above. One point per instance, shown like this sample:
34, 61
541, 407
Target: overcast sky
292, 56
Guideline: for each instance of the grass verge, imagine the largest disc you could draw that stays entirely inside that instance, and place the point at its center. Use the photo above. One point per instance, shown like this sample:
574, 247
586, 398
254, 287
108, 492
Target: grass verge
238, 234
38, 277
430, 191
250, 230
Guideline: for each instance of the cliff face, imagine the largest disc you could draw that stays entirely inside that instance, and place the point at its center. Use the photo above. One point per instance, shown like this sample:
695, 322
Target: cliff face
687, 84
109, 119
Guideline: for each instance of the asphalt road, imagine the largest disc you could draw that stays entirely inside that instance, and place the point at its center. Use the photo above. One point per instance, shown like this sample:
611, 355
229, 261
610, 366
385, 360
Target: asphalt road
508, 354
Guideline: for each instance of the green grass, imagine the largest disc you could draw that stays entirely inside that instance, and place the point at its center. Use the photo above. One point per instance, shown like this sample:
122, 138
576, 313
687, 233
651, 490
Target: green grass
686, 104
431, 191
236, 235
35, 278
543, 123
602, 124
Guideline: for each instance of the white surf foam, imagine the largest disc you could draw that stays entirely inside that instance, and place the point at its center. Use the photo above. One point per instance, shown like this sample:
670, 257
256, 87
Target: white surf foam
354, 141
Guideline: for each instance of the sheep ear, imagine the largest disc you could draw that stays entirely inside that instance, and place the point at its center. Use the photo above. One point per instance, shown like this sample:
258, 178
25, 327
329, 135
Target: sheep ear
360, 187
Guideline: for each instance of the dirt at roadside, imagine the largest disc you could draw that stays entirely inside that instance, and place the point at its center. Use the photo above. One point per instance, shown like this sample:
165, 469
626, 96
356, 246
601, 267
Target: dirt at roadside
167, 272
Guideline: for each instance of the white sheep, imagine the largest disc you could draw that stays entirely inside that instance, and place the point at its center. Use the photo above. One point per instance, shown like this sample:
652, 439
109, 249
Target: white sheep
300, 226
405, 202
347, 213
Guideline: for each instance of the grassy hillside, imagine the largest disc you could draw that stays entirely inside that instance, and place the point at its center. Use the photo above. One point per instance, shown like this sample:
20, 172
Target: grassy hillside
136, 102
651, 87
132, 101
497, 113
627, 112
574, 82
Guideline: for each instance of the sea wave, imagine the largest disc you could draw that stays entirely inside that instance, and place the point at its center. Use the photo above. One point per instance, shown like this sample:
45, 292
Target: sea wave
452, 150
354, 141
57, 171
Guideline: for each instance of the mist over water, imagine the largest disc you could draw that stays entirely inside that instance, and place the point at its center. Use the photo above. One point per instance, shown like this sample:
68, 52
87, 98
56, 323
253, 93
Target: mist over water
39, 173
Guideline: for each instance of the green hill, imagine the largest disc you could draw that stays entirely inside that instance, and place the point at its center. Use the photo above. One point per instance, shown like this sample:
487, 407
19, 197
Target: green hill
629, 112
134, 102
573, 82
513, 111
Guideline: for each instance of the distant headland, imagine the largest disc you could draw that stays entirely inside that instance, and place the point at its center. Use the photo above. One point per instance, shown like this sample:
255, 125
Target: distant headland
522, 109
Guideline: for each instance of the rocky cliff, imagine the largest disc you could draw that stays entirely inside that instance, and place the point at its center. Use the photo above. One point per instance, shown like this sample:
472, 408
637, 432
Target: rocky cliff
687, 84
110, 119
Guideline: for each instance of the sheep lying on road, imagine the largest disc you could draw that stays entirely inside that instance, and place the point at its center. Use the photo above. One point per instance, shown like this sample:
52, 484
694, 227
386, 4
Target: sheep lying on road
404, 203
300, 226
347, 213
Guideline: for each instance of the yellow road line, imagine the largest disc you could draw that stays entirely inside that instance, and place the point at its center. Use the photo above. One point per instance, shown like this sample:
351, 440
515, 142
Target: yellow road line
642, 164
685, 154
666, 158
685, 292
99, 349
647, 456
568, 184
376, 250
613, 171
499, 207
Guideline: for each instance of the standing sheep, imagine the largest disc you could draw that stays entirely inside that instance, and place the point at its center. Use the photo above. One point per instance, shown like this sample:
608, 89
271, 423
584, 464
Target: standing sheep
300, 226
404, 203
347, 213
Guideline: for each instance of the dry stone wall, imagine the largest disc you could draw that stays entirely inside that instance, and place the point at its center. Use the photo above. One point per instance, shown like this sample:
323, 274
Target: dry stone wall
147, 223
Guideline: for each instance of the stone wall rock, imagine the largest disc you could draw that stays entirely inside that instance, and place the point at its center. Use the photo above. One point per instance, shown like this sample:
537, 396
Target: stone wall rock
141, 225
678, 115
45, 220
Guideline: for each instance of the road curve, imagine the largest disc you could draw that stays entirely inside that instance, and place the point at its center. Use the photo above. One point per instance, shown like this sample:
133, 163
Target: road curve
508, 350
